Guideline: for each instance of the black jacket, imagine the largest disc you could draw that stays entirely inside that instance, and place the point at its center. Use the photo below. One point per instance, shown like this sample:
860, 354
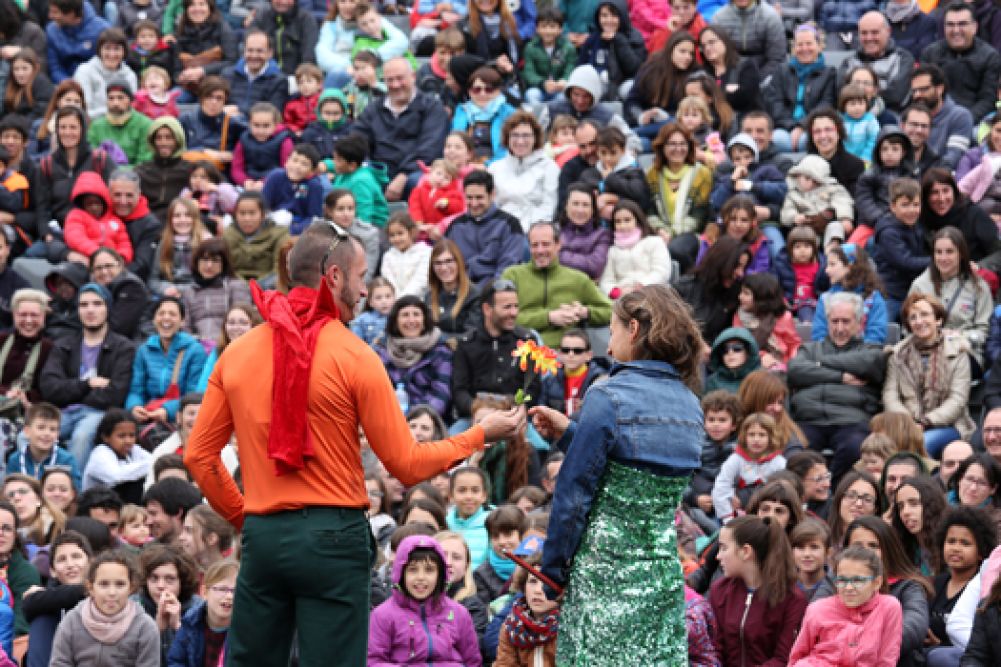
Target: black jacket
400, 142
713, 311
54, 200
61, 383
193, 40
747, 79
294, 34
553, 386
972, 75
484, 364
629, 183
984, 647
780, 94
144, 233
130, 298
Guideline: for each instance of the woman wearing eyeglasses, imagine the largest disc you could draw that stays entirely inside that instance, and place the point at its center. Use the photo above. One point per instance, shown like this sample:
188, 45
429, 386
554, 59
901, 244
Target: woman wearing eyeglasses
129, 296
526, 180
452, 297
483, 115
628, 463
214, 291
975, 483
928, 375
861, 625
857, 495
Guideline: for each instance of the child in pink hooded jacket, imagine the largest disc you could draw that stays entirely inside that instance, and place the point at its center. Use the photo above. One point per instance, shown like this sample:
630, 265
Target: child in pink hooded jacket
858, 626
420, 624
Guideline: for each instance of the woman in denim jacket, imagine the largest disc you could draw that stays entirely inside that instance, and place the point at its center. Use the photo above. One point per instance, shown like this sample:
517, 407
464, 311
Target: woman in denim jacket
629, 459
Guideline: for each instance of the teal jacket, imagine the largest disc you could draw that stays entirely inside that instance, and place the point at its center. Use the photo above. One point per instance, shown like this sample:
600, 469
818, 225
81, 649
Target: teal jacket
152, 369
474, 531
367, 183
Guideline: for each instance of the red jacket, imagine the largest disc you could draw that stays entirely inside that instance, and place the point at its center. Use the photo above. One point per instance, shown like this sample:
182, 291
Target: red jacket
658, 40
768, 632
423, 198
83, 232
834, 634
300, 111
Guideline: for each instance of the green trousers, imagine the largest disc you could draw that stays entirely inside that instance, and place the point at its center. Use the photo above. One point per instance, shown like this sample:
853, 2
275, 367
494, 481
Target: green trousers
305, 571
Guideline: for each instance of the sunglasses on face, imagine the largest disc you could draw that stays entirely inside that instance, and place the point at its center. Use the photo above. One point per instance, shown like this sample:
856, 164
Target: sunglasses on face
573, 350
480, 90
734, 347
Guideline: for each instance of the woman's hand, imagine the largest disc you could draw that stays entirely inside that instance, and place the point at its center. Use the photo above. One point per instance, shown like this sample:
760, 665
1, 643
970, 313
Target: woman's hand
168, 612
551, 424
139, 412
504, 64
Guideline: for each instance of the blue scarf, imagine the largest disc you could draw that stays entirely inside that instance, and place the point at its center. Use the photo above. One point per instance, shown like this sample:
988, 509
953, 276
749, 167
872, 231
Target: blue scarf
502, 566
484, 115
802, 73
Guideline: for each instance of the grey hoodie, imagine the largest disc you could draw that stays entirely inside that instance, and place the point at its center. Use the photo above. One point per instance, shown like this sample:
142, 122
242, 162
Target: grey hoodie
587, 78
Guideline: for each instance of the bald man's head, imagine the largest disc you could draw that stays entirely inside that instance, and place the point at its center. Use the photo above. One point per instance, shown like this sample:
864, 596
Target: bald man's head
874, 34
400, 80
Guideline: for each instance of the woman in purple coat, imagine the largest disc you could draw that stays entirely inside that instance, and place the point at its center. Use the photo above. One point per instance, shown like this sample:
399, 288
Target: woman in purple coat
584, 240
420, 624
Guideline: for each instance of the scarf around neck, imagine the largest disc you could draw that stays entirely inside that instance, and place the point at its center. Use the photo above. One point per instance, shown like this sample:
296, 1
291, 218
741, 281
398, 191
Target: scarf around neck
485, 114
628, 239
926, 367
504, 567
406, 352
296, 319
897, 13
525, 631
107, 629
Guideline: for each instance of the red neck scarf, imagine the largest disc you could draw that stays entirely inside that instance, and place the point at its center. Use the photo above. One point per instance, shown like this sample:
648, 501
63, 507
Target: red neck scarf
297, 320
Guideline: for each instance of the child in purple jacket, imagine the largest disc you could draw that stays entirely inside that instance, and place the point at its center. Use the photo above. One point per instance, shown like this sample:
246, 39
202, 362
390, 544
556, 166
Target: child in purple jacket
420, 624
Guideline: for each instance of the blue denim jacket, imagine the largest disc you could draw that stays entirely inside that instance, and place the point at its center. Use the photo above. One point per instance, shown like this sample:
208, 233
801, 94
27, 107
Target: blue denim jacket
644, 417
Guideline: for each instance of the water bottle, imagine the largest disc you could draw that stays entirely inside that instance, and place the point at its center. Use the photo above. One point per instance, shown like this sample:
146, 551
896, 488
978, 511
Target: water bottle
401, 396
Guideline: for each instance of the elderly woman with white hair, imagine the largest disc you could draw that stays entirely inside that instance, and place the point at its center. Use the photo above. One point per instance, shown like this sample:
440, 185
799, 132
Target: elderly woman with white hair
23, 352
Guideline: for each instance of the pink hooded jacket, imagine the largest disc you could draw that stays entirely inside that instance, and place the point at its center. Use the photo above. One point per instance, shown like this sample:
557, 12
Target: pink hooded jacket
403, 631
833, 634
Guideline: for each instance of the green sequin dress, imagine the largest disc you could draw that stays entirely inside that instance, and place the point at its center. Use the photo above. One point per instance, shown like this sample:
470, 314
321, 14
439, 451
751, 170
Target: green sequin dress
625, 598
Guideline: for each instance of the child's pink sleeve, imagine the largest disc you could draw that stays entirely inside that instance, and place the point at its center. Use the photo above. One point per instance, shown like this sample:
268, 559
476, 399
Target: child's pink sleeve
990, 572
226, 196
238, 169
287, 147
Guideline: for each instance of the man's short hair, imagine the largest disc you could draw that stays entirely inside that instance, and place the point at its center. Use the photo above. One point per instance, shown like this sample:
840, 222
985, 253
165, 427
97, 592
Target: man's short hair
112, 36
68, 6
494, 286
541, 223
42, 410
257, 31
752, 115
309, 152
934, 72
450, 38
312, 246
125, 174
171, 461
310, 71
915, 107
960, 6
479, 177
352, 148
175, 496
611, 137
211, 84
845, 298
98, 497
504, 519
189, 399
550, 15
904, 188
577, 332
369, 58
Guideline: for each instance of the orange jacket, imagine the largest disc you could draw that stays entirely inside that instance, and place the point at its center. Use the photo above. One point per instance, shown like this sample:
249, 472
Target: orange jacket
348, 388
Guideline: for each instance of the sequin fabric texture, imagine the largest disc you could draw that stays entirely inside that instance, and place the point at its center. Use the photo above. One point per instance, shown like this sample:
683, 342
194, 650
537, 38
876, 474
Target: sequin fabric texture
625, 600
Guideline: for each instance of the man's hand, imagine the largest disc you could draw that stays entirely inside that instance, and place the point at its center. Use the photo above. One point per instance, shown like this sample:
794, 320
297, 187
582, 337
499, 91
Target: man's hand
562, 317
705, 503
394, 191
551, 424
848, 378
503, 424
98, 382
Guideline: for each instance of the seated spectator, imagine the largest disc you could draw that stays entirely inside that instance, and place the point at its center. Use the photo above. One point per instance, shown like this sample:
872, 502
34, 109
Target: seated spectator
900, 250
525, 178
436, 200
295, 189
935, 396
182, 235
352, 171
723, 118
943, 205
366, 86
483, 115
122, 125
549, 58
164, 177
339, 207
71, 36
240, 318
826, 137
685, 15
301, 108
22, 226
916, 123
695, 116
579, 370
816, 200
21, 575
407, 263
861, 127
107, 65
765, 45
379, 36
637, 257
893, 158
734, 356
256, 77
617, 176
737, 74
586, 239
581, 100
335, 41
370, 324
711, 288
890, 61
763, 313
29, 88
440, 44
27, 349
61, 286
205, 44
40, 521
170, 581
951, 124
88, 372
332, 122
554, 297
216, 197
804, 83
201, 637
253, 239
128, 295
505, 526
911, 27
41, 451
674, 172
966, 295
211, 130
154, 391
514, 464
491, 33
214, 290
975, 172
740, 222
263, 148
295, 31
761, 183
865, 77
660, 86
116, 462
849, 269
149, 49
971, 65
452, 297
92, 222
415, 355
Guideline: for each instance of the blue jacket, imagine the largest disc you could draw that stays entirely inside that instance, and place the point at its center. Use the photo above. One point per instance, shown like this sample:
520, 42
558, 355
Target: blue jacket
553, 391
303, 200
201, 131
400, 142
844, 15
489, 245
188, 648
271, 85
524, 17
69, 47
21, 461
993, 346
322, 138
769, 189
873, 313
260, 157
916, 34
152, 369
782, 268
614, 426
463, 121
900, 254
860, 135
474, 532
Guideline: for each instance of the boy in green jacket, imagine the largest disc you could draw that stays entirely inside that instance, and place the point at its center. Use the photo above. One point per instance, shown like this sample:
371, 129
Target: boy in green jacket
365, 180
549, 59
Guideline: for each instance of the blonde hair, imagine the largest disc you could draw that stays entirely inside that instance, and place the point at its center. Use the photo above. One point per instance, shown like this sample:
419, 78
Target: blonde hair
29, 295
131, 513
902, 430
878, 444
156, 69
447, 165
220, 571
766, 422
468, 588
563, 121
692, 103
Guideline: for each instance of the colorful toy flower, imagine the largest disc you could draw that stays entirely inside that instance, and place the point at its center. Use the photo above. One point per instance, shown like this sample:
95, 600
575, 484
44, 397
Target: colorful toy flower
543, 363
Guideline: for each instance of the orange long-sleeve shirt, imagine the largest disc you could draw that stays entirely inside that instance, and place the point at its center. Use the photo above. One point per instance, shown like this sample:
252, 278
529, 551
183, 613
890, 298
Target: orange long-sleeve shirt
348, 386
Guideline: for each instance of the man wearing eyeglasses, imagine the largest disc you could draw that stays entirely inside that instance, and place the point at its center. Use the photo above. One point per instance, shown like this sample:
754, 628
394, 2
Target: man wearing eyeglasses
296, 390
971, 65
951, 124
992, 433
837, 384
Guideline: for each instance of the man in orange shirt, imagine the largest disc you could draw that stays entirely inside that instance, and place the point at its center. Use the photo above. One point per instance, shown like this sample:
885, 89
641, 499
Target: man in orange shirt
296, 390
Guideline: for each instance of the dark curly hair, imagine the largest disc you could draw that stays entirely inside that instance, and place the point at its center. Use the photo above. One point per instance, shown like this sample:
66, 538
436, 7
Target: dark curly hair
974, 519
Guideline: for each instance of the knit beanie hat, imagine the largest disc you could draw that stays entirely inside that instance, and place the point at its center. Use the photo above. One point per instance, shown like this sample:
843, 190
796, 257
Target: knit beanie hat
99, 290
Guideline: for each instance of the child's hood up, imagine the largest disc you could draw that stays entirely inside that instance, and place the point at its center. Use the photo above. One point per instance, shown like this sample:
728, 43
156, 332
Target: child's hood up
91, 183
734, 333
888, 131
813, 167
407, 547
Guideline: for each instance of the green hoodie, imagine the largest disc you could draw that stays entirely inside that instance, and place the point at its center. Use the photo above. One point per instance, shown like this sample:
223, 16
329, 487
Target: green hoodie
729, 379
130, 135
163, 179
367, 182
